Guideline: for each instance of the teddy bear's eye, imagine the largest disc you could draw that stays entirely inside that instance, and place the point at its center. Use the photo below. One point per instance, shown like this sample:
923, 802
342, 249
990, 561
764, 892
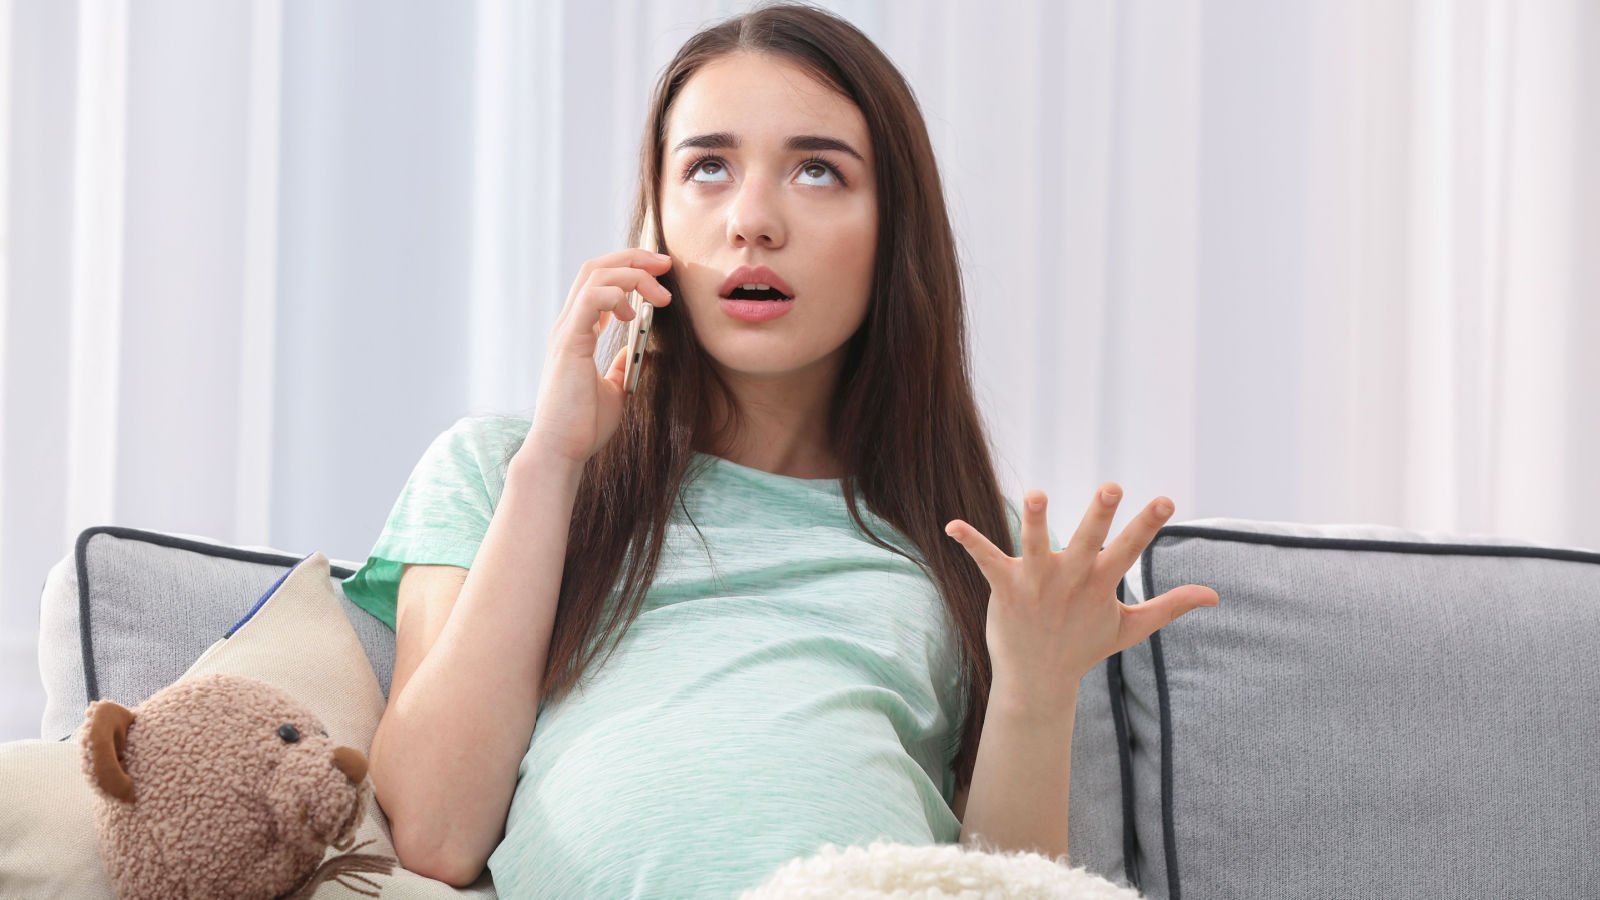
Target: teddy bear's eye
289, 733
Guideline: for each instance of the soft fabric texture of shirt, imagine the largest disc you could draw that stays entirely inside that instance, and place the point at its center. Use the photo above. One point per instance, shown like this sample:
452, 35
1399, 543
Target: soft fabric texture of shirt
443, 510
787, 684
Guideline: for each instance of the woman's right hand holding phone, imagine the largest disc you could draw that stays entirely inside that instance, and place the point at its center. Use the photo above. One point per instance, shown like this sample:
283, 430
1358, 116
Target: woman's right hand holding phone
578, 408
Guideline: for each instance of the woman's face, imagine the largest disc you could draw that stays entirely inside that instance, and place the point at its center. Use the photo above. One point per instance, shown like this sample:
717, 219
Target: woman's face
763, 203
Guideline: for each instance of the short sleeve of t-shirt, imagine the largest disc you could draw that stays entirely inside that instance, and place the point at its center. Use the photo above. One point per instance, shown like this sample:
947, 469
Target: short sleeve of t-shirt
443, 510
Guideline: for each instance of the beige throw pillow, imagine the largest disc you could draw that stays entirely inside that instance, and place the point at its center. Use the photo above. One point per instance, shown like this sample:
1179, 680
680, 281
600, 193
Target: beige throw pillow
48, 846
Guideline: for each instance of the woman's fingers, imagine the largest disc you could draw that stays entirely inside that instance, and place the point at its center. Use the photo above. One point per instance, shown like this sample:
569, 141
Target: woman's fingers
623, 311
614, 374
579, 329
1035, 530
1086, 542
1121, 553
633, 279
1088, 550
625, 269
1141, 620
981, 549
654, 263
607, 295
630, 281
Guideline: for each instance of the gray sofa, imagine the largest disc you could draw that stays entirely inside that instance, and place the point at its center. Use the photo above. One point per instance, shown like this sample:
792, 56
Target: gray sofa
1370, 712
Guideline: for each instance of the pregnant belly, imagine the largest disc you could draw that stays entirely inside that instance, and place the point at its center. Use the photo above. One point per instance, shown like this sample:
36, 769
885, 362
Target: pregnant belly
654, 802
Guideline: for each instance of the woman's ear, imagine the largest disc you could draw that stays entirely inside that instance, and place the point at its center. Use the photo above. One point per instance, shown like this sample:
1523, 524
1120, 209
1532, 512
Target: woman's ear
105, 739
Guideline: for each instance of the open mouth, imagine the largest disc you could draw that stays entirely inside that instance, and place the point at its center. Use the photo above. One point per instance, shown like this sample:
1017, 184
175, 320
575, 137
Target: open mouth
757, 294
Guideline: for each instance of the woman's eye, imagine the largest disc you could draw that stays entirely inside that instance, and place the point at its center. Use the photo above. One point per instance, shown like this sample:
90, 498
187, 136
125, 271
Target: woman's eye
817, 169
810, 169
702, 166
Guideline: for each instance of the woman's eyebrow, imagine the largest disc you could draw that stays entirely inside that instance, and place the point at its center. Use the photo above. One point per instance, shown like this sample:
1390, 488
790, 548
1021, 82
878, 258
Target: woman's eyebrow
719, 140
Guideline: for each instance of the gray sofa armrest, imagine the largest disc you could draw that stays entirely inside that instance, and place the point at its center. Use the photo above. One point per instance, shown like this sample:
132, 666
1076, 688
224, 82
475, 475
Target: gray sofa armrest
129, 610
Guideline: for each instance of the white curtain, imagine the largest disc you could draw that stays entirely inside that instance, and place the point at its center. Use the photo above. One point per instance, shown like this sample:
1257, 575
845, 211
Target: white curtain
1317, 261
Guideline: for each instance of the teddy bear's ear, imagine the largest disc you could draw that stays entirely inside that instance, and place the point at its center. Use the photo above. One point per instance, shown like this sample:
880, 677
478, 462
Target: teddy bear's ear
104, 741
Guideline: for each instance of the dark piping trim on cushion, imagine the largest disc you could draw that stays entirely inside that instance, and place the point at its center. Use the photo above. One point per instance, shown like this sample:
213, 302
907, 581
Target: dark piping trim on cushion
1119, 720
1169, 844
1382, 546
91, 680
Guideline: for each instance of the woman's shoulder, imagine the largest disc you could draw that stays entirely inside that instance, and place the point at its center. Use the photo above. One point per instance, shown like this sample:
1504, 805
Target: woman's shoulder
491, 428
475, 448
485, 435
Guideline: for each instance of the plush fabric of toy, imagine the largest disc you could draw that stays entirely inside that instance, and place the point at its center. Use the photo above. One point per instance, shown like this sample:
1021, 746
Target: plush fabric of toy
882, 870
224, 786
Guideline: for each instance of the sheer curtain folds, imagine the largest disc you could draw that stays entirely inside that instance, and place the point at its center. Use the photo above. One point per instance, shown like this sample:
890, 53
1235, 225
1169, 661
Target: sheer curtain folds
1317, 261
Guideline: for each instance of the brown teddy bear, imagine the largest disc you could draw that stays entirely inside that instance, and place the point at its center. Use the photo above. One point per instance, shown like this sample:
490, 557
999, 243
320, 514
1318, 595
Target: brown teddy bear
223, 786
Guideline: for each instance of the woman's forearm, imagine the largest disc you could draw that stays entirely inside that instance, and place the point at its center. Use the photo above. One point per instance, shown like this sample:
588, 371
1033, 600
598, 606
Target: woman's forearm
1018, 796
446, 754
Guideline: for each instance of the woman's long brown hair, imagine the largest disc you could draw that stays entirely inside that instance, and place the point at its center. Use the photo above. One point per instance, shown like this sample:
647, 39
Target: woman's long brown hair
903, 422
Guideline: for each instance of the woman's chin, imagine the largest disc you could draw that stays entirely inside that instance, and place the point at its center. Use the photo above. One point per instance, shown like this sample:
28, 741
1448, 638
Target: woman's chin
767, 356
758, 369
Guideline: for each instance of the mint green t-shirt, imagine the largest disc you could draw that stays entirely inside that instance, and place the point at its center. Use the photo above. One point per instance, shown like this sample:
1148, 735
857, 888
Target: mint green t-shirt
797, 688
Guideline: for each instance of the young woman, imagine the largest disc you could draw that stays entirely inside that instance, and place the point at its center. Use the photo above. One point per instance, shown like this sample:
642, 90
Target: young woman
658, 643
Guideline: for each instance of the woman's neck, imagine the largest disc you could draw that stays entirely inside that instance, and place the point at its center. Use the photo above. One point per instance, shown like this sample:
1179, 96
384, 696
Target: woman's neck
785, 430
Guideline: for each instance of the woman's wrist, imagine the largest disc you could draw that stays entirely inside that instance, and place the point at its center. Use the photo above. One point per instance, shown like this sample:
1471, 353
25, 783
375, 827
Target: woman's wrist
1044, 702
534, 461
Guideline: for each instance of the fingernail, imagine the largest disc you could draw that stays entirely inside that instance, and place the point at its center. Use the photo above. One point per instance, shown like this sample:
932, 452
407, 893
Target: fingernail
1109, 497
1164, 508
1036, 504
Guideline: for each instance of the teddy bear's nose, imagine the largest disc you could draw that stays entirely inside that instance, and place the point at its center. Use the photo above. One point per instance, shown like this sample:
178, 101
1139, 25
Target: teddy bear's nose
350, 761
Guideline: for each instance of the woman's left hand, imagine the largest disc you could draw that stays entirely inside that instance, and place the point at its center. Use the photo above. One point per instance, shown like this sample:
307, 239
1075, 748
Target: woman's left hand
1054, 615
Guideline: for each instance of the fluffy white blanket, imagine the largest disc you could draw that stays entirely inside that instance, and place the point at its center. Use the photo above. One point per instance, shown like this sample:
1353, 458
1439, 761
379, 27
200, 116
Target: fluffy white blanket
933, 872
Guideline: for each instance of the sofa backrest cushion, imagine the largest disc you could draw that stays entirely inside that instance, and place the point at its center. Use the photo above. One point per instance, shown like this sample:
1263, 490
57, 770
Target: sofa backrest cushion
130, 610
1368, 712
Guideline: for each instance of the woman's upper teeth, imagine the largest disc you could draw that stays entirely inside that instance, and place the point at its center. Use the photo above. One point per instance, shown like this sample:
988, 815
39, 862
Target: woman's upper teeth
756, 287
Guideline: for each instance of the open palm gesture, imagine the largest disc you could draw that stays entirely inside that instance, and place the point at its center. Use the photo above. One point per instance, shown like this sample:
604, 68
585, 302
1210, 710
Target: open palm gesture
1054, 615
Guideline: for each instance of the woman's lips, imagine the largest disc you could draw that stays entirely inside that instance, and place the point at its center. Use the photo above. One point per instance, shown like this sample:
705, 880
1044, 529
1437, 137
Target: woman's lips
756, 310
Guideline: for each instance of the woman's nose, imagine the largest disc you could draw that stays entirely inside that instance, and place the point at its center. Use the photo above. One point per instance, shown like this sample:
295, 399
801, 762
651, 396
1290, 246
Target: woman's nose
754, 216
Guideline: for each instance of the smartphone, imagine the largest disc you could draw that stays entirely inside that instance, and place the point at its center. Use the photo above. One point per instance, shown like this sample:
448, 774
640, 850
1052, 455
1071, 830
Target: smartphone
643, 313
